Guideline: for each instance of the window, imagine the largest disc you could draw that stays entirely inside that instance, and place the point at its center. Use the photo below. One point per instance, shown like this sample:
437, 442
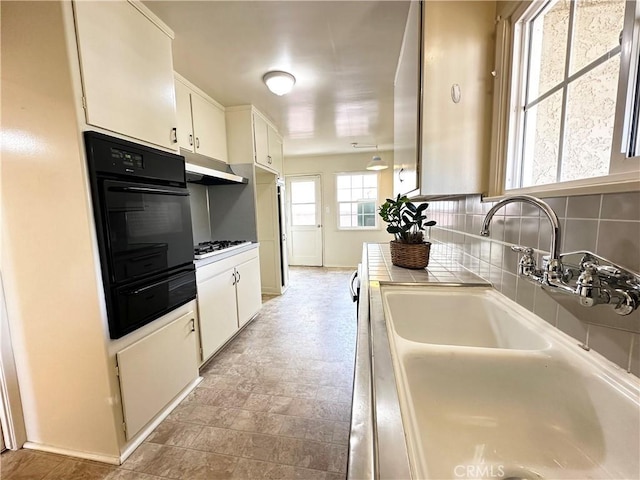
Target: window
303, 203
357, 200
569, 64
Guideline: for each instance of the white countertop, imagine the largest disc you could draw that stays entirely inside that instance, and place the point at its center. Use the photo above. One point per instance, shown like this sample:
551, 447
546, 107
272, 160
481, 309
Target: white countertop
225, 254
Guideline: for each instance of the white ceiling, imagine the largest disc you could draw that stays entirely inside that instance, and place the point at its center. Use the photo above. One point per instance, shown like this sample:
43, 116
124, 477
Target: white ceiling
343, 55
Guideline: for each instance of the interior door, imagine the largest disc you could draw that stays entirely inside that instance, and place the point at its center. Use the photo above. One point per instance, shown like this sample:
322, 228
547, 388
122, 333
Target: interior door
305, 220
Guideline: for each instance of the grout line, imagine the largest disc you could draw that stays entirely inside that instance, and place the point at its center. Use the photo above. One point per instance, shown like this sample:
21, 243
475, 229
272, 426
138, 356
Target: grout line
489, 239
598, 224
616, 220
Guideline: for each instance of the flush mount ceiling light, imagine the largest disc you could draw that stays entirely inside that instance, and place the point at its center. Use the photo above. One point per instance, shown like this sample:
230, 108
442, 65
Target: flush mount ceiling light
279, 82
376, 163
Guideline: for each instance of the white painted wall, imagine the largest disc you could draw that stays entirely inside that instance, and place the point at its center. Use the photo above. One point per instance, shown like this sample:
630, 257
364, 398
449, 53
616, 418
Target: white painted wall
49, 262
343, 248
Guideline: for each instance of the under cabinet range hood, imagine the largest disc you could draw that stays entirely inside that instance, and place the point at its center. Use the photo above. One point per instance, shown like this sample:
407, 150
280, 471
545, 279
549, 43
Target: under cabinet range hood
222, 175
210, 176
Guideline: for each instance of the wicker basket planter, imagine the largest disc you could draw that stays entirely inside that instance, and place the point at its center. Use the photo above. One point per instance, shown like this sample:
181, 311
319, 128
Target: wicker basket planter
410, 255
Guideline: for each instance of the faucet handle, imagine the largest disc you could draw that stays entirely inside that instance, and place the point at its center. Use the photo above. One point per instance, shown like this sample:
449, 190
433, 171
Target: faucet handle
527, 264
528, 251
588, 286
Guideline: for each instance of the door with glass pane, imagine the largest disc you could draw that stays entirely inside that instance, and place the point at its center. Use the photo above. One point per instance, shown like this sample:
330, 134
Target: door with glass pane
305, 225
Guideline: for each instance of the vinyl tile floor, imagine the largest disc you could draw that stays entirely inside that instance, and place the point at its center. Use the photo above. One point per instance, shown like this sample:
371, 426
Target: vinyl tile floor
274, 403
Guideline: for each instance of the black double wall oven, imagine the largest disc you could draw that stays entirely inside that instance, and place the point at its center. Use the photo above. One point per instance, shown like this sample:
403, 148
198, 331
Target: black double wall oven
143, 226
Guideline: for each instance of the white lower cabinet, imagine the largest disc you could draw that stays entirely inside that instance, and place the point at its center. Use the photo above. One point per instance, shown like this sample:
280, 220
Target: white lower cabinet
229, 295
218, 312
155, 369
248, 290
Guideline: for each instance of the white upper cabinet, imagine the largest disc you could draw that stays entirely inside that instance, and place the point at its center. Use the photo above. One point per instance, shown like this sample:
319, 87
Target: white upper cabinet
261, 140
201, 121
209, 128
275, 149
185, 123
127, 70
253, 139
457, 94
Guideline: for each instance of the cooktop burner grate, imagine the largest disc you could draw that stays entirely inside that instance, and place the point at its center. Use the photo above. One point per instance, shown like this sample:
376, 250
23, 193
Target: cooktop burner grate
206, 249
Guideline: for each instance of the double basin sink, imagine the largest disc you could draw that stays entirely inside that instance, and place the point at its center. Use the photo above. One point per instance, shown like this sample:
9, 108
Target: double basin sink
489, 390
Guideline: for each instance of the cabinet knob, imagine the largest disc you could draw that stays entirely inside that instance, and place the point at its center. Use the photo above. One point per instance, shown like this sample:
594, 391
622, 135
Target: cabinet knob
174, 135
400, 175
197, 142
193, 325
235, 279
191, 140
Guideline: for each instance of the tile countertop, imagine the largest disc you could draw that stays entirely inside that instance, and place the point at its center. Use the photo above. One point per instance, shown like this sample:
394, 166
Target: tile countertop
443, 267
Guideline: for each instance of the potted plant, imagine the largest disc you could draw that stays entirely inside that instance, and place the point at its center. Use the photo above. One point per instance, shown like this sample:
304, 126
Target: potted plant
406, 223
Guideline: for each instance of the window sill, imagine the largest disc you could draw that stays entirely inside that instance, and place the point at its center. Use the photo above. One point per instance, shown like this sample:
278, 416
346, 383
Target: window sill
615, 183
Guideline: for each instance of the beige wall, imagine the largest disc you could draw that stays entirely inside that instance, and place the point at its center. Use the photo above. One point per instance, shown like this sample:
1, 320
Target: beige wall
342, 248
49, 264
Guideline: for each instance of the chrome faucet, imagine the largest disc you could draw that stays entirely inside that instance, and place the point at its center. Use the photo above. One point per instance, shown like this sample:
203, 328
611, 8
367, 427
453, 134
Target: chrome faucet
599, 281
527, 265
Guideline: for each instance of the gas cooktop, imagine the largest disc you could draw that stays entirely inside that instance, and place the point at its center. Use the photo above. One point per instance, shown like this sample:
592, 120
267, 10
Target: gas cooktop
208, 249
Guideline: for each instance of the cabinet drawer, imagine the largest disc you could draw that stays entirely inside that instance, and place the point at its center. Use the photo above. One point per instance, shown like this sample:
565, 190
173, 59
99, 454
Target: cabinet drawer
212, 269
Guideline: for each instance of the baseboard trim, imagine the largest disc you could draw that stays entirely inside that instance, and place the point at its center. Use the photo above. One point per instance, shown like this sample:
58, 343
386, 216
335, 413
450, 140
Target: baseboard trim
146, 431
112, 460
131, 446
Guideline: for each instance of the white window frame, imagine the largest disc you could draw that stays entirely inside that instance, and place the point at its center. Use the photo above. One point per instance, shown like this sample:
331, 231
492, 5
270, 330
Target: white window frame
376, 201
506, 148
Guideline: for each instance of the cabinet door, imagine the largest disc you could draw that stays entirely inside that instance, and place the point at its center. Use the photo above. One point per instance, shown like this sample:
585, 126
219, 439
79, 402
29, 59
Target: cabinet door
455, 136
275, 150
248, 290
127, 71
155, 369
261, 139
406, 112
209, 128
217, 311
183, 110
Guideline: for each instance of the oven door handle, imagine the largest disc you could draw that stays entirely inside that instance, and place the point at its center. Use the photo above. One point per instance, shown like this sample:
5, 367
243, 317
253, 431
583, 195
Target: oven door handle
157, 191
153, 285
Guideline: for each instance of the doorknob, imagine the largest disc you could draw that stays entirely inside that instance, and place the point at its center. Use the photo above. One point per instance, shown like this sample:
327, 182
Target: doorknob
318, 226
